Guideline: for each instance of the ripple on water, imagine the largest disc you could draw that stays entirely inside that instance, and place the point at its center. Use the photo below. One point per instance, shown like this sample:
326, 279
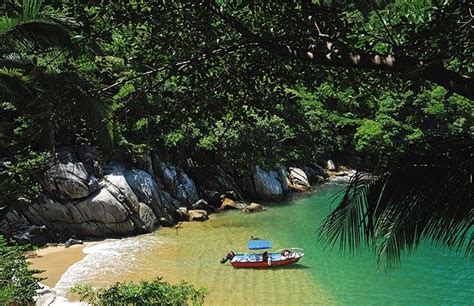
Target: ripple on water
430, 276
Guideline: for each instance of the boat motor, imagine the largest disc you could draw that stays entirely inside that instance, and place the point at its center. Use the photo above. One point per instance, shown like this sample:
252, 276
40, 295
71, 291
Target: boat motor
229, 255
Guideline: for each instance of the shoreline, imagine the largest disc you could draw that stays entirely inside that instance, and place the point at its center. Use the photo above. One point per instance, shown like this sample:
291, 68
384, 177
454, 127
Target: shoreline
54, 261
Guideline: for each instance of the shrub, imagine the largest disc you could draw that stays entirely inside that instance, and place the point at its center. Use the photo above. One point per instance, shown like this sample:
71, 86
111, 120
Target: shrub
155, 292
18, 284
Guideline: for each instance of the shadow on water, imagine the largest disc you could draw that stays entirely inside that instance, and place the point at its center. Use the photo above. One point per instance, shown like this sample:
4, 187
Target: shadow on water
289, 267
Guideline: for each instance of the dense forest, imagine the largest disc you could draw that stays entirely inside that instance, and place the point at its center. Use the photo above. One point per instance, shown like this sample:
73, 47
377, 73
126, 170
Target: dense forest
383, 85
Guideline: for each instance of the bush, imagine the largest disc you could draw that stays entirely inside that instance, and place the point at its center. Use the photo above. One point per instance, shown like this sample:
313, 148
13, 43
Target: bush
18, 284
155, 292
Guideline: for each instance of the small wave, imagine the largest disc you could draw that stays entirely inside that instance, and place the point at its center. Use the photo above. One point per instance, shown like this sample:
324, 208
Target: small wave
109, 257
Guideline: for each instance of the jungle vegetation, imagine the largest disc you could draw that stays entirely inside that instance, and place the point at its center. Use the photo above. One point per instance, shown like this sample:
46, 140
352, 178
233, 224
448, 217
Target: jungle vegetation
238, 82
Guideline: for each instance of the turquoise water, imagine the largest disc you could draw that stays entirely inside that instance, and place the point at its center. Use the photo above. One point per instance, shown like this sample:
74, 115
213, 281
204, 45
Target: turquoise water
430, 276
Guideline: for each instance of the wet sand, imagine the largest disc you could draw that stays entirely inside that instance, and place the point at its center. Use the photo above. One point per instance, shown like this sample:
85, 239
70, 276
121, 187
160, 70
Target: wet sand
55, 260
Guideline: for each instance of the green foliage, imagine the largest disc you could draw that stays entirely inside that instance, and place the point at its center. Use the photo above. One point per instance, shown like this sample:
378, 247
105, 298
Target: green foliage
132, 76
155, 292
18, 284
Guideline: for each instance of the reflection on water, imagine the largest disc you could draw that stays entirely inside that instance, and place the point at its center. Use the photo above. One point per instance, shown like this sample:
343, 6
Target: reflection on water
430, 276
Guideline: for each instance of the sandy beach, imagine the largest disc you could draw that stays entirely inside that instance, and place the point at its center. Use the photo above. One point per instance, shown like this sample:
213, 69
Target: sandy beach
55, 260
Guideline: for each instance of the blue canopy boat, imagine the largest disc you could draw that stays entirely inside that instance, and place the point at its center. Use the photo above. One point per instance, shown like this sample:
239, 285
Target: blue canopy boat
265, 259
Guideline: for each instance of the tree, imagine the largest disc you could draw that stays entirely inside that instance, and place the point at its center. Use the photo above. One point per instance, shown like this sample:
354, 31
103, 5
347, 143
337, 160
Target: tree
419, 191
37, 105
325, 36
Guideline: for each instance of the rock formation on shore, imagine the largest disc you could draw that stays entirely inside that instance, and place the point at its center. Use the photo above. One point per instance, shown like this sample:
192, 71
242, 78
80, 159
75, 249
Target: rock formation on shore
85, 199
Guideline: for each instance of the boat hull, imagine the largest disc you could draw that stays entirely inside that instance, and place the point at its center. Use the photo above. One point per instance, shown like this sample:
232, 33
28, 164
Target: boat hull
264, 264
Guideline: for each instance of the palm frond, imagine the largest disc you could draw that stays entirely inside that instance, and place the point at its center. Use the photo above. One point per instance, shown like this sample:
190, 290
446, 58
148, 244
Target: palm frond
31, 30
396, 210
14, 81
96, 111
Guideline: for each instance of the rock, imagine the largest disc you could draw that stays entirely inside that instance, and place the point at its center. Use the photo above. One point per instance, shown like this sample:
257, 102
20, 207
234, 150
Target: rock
183, 211
314, 173
344, 177
34, 234
214, 178
72, 241
253, 207
15, 225
212, 197
203, 205
47, 296
330, 165
230, 194
320, 179
70, 181
228, 204
149, 192
267, 186
283, 178
197, 215
298, 180
148, 217
178, 183
113, 211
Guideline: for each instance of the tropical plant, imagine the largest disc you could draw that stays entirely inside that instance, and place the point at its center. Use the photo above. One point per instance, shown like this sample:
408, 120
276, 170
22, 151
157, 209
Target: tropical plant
424, 195
155, 292
18, 284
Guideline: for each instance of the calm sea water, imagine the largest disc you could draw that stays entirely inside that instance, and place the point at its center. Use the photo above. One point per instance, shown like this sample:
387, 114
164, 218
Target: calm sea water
430, 276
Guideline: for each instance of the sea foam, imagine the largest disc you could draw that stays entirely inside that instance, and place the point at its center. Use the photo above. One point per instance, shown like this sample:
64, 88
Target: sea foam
111, 257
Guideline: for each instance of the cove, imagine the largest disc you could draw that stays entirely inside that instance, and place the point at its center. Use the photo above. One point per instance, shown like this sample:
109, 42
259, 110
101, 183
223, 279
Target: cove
428, 276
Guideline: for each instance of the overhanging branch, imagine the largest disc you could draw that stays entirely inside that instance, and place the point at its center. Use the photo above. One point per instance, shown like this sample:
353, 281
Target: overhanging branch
339, 57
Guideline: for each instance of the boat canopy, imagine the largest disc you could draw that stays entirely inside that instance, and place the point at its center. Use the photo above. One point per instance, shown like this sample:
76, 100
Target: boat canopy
257, 244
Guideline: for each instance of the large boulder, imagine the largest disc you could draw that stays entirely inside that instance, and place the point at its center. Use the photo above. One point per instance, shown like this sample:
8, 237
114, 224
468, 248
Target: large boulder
73, 173
267, 185
70, 180
115, 210
178, 183
298, 179
283, 178
154, 195
16, 226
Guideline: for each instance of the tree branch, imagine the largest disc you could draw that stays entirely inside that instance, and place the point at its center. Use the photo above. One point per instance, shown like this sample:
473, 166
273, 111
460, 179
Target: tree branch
408, 67
177, 66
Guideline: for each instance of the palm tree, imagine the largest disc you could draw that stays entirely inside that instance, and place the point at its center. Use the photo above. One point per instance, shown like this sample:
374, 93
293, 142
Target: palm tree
35, 101
32, 29
427, 195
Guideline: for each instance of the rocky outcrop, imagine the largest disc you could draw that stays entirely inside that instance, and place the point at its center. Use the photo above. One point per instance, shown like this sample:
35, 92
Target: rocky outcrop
177, 182
298, 180
87, 200
127, 202
266, 184
154, 195
70, 180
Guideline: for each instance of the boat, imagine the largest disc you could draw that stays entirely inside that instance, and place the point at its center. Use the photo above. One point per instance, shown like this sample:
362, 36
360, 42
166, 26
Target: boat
266, 259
